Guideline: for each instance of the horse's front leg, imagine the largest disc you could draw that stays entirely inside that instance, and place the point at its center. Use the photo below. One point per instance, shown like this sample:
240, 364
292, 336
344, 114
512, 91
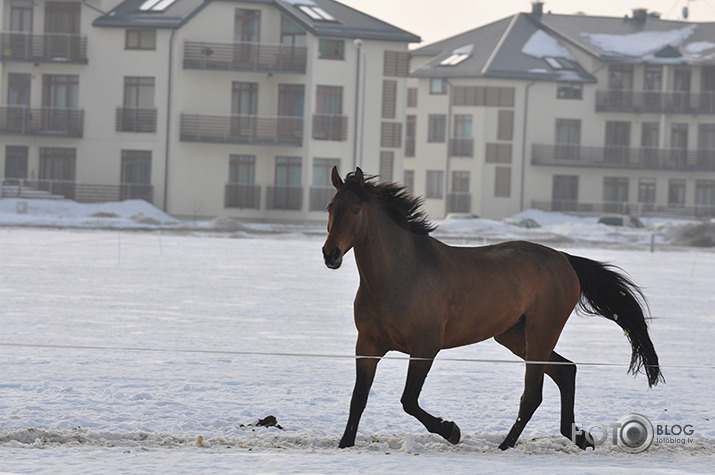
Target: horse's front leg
367, 357
416, 375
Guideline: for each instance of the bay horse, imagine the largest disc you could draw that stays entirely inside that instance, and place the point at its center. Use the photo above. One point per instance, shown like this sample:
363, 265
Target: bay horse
418, 295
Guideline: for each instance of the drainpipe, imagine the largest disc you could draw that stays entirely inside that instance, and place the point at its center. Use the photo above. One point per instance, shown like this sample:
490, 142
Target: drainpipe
168, 122
523, 144
358, 44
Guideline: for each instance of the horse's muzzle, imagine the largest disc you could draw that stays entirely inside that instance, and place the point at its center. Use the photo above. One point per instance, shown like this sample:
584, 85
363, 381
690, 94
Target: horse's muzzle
334, 258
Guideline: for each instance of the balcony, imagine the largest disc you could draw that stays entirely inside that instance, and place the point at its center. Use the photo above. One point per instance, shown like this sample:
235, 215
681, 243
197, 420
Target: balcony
320, 196
330, 127
242, 196
130, 119
288, 198
647, 158
634, 209
47, 47
245, 57
243, 129
80, 192
461, 147
20, 120
656, 102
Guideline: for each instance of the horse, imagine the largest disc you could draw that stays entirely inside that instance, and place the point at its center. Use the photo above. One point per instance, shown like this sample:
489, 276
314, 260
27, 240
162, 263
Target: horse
418, 296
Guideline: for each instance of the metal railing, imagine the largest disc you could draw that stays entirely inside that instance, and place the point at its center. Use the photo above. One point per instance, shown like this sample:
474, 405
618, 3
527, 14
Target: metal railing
330, 127
650, 158
672, 102
131, 119
81, 192
237, 128
284, 197
242, 196
320, 196
20, 46
245, 56
41, 121
461, 147
623, 207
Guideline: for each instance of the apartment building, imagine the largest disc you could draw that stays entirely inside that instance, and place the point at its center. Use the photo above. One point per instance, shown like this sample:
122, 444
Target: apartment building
202, 107
565, 112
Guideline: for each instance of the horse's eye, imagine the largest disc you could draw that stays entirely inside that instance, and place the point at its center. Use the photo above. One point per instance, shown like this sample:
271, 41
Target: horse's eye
356, 211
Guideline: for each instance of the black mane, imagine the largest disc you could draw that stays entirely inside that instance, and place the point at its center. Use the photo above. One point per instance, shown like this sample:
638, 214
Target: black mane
396, 201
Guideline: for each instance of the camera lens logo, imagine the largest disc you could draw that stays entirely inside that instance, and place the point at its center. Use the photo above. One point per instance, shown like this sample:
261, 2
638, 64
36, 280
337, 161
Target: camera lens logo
635, 433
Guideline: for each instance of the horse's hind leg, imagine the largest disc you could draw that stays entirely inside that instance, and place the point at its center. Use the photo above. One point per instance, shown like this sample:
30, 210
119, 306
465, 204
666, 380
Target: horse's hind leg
416, 375
564, 375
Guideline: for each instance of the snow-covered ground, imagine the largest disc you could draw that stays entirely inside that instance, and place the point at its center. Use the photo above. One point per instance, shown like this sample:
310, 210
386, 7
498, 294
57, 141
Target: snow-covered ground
119, 349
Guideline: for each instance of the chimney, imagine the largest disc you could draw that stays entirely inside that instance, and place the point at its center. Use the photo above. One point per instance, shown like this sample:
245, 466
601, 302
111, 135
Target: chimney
537, 9
640, 15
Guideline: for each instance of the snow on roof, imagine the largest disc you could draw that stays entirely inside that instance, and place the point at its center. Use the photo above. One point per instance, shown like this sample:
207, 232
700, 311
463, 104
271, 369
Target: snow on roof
698, 47
541, 45
641, 43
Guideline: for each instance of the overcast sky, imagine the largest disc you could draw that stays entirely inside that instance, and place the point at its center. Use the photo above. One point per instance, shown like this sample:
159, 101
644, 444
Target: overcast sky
434, 20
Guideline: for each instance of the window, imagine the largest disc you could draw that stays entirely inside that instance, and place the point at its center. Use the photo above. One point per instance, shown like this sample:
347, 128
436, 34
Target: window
396, 64
502, 182
291, 100
18, 93
387, 163
329, 100
241, 190
16, 162
435, 184
389, 99
650, 132
678, 144
322, 190
483, 96
155, 5
139, 92
287, 194
646, 190
681, 80
328, 123
620, 77
676, 193
391, 134
705, 196
569, 90
706, 146
316, 13
568, 139
246, 27
653, 78
409, 180
436, 127
437, 86
615, 193
60, 91
62, 17
462, 144
460, 182
331, 49
707, 82
618, 139
244, 105
57, 163
505, 125
459, 200
138, 113
140, 39
21, 16
136, 168
564, 193
410, 135
291, 34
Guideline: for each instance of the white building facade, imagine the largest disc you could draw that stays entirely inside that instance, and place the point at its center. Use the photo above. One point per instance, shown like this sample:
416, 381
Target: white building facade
204, 108
568, 113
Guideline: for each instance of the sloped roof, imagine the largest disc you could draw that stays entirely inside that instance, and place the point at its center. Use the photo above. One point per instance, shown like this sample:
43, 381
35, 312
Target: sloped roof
346, 22
525, 46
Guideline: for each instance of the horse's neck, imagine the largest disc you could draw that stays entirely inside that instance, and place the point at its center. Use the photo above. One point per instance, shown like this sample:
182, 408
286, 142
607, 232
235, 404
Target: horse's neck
387, 248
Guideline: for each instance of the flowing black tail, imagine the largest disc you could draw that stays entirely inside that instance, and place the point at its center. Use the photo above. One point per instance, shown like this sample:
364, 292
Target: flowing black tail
612, 295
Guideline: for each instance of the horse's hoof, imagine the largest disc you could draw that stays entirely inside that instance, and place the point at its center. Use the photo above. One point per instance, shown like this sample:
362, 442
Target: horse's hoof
345, 443
454, 433
503, 446
584, 442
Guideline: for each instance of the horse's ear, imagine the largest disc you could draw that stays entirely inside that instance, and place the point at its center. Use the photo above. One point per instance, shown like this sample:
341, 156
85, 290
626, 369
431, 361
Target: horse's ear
359, 177
335, 178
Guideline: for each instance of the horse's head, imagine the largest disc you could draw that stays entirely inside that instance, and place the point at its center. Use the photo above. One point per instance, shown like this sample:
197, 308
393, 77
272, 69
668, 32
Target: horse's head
346, 218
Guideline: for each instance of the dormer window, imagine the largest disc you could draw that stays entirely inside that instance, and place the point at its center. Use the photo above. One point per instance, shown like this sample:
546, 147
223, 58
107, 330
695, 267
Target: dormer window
155, 5
457, 56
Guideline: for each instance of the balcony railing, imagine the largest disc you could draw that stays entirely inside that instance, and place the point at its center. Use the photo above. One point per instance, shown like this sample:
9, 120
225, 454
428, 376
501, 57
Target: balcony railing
320, 196
22, 120
633, 209
461, 147
330, 127
650, 158
246, 129
285, 198
242, 196
656, 102
245, 57
131, 119
81, 192
459, 202
47, 47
